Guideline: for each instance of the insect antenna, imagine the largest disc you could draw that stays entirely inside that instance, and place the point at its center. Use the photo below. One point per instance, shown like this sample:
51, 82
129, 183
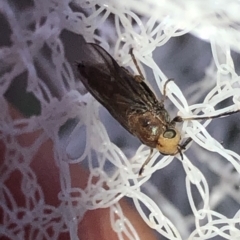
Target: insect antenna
180, 119
210, 117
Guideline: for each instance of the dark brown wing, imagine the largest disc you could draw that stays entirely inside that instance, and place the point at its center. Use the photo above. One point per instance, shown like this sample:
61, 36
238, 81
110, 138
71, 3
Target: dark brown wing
113, 86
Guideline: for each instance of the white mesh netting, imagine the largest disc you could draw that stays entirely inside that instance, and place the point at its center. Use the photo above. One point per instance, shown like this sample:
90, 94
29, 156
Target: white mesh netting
57, 160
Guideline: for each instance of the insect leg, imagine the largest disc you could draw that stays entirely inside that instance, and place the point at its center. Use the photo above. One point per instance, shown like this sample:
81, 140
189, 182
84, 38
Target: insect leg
183, 146
139, 78
180, 151
145, 163
165, 87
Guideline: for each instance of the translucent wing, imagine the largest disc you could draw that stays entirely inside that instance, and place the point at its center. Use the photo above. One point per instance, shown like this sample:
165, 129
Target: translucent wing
113, 86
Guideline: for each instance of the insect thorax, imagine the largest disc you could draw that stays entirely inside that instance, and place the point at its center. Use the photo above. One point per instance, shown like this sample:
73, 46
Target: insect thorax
148, 126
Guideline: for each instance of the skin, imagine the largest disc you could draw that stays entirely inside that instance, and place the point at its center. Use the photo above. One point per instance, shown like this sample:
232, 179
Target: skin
96, 223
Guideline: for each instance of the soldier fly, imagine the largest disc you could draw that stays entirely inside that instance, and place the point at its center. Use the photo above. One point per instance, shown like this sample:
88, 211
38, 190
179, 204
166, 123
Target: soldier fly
130, 101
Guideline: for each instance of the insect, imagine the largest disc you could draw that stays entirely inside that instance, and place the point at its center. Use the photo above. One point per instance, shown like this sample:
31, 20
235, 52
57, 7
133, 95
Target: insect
130, 101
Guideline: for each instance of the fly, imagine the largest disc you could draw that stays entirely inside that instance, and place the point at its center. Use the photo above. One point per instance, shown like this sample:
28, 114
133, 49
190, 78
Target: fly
131, 102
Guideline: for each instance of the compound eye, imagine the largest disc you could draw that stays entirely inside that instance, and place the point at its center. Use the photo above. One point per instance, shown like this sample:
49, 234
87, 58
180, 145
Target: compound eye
170, 133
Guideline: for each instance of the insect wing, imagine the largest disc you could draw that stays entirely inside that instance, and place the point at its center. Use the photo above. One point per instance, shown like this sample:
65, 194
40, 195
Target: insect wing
113, 86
